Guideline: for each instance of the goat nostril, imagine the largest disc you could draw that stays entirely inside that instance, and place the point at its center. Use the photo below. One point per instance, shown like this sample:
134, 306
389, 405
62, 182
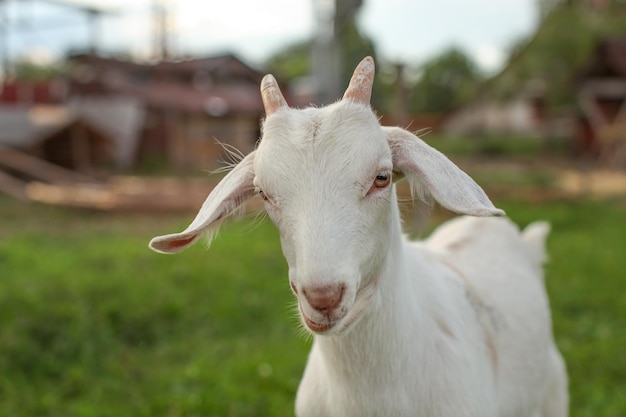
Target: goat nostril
324, 298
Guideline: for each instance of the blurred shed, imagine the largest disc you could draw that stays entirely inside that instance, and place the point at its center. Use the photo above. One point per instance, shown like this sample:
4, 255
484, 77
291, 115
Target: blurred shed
602, 102
59, 155
517, 116
188, 104
55, 134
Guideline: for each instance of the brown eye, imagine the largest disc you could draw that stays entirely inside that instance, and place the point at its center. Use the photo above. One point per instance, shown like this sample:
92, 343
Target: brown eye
382, 179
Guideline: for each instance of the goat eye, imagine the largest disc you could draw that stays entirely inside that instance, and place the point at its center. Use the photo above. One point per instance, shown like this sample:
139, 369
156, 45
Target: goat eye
382, 179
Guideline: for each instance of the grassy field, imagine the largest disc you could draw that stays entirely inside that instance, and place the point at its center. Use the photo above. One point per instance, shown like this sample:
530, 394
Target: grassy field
92, 323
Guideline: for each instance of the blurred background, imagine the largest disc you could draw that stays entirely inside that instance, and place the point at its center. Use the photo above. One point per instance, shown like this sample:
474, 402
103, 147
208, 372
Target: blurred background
111, 112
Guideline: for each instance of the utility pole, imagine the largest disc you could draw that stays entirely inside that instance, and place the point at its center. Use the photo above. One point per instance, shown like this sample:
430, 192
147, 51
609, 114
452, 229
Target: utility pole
93, 14
93, 17
4, 40
327, 51
8, 27
161, 18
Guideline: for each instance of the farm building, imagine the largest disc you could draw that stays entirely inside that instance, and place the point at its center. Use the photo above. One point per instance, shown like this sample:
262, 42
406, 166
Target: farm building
54, 134
602, 102
189, 105
83, 134
61, 141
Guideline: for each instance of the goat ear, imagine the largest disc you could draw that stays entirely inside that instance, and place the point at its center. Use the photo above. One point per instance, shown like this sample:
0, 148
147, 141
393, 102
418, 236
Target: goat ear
226, 197
429, 171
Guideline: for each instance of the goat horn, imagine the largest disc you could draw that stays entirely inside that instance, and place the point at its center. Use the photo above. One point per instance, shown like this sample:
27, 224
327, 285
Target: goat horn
360, 87
273, 99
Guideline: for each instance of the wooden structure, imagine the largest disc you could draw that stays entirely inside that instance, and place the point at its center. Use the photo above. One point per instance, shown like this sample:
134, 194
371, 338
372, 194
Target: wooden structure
189, 104
54, 134
30, 178
17, 169
602, 102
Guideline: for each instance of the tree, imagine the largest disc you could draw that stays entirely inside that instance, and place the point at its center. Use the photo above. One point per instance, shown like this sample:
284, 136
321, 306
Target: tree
292, 62
25, 70
556, 53
446, 81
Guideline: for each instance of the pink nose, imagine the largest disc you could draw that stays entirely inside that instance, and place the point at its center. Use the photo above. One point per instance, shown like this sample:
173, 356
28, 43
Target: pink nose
324, 298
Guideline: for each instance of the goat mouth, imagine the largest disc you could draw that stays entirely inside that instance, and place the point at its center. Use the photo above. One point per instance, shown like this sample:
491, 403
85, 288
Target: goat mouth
325, 323
318, 327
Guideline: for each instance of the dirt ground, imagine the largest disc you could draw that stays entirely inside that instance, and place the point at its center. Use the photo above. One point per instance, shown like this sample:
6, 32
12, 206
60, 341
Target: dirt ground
564, 177
530, 178
600, 183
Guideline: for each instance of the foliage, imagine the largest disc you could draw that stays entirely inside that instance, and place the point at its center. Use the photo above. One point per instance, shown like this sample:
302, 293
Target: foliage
446, 81
498, 145
28, 71
557, 52
292, 62
94, 324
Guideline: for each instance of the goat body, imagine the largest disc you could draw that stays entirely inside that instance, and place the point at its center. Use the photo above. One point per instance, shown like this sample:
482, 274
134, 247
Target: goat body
460, 326
456, 325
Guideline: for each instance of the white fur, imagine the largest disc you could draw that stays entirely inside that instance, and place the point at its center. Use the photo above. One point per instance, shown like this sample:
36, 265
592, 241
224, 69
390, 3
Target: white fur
456, 325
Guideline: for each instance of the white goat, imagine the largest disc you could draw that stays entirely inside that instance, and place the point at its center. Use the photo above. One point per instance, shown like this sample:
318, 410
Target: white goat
457, 325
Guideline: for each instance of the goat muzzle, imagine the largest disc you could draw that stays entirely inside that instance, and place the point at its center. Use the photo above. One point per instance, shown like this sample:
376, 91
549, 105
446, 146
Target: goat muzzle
324, 299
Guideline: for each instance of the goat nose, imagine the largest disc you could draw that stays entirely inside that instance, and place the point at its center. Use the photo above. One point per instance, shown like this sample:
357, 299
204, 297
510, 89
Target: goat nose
324, 298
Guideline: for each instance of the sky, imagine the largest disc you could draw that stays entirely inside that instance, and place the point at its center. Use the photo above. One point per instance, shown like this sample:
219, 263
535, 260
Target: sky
410, 31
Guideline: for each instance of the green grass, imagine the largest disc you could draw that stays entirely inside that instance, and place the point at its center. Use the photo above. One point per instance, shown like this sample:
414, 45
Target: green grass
506, 145
92, 323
